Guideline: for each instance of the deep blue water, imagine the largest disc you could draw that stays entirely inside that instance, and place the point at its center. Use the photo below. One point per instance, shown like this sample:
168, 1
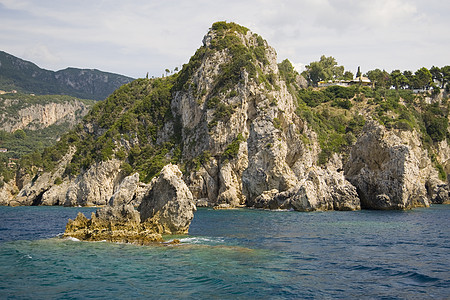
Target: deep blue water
234, 254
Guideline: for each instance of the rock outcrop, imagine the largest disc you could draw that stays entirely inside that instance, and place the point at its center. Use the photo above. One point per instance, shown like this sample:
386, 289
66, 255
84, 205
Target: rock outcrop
170, 201
322, 189
42, 189
96, 186
93, 187
166, 208
441, 194
7, 192
390, 169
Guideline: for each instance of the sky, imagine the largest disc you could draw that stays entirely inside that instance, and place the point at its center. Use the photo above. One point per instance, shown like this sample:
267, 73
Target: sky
139, 36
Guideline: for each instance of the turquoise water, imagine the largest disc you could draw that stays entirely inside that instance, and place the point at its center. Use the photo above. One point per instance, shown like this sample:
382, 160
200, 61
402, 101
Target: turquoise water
235, 254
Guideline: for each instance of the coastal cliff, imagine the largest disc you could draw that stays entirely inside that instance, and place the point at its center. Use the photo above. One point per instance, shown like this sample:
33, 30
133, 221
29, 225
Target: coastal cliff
245, 132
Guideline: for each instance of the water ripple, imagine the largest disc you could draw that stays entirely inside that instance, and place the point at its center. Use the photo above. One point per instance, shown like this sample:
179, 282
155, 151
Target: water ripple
248, 254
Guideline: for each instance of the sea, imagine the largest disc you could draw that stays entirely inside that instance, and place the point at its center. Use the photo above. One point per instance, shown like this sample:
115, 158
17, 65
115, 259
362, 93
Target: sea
234, 254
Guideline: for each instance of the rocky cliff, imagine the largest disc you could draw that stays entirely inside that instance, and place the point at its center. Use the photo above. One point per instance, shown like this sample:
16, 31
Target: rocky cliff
21, 111
253, 135
246, 132
391, 170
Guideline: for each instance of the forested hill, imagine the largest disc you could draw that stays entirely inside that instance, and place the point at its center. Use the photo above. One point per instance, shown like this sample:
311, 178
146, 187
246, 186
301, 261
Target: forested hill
25, 76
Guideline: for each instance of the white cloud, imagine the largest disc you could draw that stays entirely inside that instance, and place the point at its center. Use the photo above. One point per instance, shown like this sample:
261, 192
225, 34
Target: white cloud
40, 52
135, 37
299, 67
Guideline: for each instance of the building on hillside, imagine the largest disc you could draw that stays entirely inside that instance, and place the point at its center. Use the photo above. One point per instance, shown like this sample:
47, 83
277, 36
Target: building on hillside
361, 80
3, 150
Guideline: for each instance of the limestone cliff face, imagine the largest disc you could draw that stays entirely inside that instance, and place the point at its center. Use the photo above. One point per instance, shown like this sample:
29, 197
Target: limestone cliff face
38, 116
7, 193
319, 189
390, 169
261, 125
93, 187
32, 191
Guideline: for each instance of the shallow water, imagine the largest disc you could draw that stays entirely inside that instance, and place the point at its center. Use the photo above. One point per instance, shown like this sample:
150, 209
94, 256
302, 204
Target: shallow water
247, 254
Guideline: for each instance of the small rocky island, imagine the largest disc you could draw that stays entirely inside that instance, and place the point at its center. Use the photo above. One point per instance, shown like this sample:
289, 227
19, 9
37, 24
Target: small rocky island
165, 206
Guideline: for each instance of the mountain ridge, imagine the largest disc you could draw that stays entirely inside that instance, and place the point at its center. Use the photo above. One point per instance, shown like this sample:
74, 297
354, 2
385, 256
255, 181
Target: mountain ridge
27, 77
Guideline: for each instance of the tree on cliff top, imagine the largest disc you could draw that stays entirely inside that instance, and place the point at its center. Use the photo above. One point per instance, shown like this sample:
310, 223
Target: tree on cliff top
422, 78
398, 80
323, 70
381, 78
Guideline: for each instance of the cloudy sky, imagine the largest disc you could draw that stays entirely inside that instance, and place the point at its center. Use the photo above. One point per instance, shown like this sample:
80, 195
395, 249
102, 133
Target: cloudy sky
140, 36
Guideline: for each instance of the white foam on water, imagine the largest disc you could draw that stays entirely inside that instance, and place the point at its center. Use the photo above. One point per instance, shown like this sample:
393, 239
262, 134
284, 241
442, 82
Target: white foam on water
72, 239
201, 240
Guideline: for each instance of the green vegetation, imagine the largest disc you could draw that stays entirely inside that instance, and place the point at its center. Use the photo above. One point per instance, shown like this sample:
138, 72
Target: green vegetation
184, 79
327, 69
336, 131
196, 163
243, 57
135, 111
323, 70
23, 142
339, 95
6, 172
132, 115
329, 112
423, 79
223, 26
287, 71
233, 148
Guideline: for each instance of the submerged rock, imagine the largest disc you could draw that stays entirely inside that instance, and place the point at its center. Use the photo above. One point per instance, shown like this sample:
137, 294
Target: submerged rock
166, 208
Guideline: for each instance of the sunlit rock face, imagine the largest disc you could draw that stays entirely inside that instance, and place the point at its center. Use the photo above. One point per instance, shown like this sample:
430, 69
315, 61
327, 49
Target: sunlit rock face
167, 207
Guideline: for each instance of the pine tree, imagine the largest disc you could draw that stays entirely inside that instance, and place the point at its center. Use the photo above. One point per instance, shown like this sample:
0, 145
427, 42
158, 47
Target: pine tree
358, 73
